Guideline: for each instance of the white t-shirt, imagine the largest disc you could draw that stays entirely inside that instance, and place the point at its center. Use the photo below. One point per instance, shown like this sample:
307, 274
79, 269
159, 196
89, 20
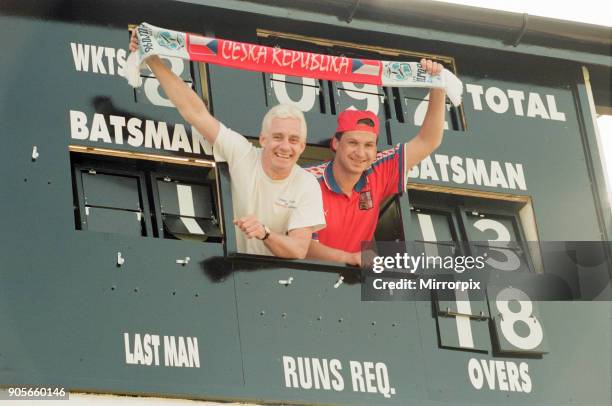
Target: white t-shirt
282, 205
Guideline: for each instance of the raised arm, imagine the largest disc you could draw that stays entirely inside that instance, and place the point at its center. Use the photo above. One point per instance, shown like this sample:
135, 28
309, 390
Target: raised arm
429, 136
188, 103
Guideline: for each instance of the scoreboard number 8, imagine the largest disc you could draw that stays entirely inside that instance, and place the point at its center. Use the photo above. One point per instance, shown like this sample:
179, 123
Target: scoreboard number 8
509, 319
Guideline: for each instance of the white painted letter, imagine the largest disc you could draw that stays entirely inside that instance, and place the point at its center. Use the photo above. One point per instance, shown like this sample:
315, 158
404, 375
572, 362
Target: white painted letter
110, 58
170, 355
356, 376
476, 172
475, 373
80, 55
489, 372
99, 130
291, 380
179, 139
500, 367
535, 106
500, 106
552, 108
517, 97
513, 376
118, 123
516, 176
476, 92
456, 163
497, 175
524, 371
442, 161
78, 125
335, 367
370, 376
194, 352
304, 372
129, 357
158, 136
320, 373
427, 169
136, 137
97, 65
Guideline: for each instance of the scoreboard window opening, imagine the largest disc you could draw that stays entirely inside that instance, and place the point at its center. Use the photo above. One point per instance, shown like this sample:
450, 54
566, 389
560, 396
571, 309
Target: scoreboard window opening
389, 227
403, 105
481, 321
146, 198
184, 205
444, 219
313, 155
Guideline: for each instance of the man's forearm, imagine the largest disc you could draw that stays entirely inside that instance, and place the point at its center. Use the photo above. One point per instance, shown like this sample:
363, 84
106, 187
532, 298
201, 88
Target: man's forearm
317, 250
188, 103
433, 125
285, 246
177, 91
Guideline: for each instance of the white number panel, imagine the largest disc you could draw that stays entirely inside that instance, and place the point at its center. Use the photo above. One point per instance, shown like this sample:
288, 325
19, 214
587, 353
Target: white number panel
304, 93
361, 97
463, 321
430, 225
464, 333
517, 321
503, 251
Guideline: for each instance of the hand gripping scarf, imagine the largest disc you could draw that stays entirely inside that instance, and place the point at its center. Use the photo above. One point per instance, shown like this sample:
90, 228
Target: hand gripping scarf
159, 41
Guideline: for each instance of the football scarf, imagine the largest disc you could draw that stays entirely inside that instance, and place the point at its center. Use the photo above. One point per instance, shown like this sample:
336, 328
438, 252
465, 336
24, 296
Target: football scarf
240, 55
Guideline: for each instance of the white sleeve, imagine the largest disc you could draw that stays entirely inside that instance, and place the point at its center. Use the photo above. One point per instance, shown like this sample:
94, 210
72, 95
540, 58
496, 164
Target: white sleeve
230, 146
309, 211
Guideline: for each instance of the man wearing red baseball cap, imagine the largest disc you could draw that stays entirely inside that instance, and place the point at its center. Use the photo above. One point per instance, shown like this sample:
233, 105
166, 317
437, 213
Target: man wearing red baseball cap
358, 179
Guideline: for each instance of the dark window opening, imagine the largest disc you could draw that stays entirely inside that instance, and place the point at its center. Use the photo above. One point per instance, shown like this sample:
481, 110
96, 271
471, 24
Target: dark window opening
186, 207
145, 198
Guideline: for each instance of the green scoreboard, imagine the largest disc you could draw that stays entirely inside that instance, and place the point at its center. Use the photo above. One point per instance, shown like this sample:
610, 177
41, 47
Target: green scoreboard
120, 272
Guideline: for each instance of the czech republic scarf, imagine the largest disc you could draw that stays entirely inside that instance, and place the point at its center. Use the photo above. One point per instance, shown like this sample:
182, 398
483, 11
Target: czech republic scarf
160, 41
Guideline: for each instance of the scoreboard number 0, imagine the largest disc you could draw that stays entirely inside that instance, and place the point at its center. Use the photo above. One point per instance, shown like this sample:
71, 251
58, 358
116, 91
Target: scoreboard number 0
309, 92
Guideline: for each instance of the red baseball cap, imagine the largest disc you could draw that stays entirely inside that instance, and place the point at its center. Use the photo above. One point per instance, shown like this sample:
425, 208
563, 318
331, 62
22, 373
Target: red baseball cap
348, 120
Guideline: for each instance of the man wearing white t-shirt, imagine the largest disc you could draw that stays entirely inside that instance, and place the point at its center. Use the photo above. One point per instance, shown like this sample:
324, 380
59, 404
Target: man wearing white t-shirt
277, 204
267, 182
